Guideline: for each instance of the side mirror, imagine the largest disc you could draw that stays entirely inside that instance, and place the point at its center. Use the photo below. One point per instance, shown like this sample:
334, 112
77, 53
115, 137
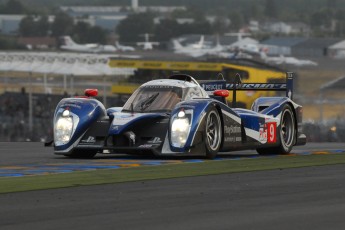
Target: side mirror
91, 92
221, 93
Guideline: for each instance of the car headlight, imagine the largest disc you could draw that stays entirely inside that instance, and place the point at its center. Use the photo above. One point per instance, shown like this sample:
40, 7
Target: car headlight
64, 127
180, 128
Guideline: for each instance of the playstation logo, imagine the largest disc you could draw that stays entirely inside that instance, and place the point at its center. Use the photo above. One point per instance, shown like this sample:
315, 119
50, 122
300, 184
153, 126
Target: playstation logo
90, 139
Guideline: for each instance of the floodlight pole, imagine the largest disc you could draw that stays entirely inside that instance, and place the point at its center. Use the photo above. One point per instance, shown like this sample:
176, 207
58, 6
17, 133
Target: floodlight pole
104, 93
45, 82
6, 80
64, 83
30, 105
321, 105
72, 85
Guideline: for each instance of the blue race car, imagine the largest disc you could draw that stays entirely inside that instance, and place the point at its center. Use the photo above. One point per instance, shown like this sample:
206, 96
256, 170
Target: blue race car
179, 116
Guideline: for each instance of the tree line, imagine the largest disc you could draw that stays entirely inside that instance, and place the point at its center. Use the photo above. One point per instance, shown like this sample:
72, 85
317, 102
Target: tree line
63, 24
325, 17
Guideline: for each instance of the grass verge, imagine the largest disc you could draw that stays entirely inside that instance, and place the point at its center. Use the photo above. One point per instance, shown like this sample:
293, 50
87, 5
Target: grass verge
108, 176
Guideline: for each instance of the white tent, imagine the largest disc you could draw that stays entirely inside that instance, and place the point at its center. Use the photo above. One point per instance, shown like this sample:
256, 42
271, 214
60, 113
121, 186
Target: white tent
60, 63
337, 50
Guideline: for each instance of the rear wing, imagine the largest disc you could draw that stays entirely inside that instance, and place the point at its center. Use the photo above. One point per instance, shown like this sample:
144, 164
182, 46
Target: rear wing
211, 86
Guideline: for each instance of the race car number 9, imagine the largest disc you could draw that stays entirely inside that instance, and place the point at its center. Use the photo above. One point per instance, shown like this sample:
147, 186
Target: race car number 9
271, 132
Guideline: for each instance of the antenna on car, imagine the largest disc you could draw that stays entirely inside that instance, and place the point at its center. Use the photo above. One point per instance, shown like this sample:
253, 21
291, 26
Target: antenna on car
184, 77
221, 75
238, 80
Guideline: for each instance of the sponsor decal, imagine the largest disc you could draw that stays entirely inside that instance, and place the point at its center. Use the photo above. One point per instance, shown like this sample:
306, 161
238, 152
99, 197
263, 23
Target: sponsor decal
162, 121
231, 133
233, 139
271, 132
155, 140
67, 105
256, 86
90, 139
232, 129
213, 87
263, 133
267, 133
152, 64
102, 121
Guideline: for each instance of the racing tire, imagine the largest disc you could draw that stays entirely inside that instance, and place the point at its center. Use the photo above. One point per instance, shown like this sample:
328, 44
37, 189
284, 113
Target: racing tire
287, 134
212, 133
82, 154
287, 130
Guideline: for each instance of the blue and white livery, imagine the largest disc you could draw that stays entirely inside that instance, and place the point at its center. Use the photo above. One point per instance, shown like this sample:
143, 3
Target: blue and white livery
178, 116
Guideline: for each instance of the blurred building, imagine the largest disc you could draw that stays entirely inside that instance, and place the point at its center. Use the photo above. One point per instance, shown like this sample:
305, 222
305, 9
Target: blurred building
304, 46
337, 50
281, 45
9, 24
285, 28
37, 42
108, 17
314, 47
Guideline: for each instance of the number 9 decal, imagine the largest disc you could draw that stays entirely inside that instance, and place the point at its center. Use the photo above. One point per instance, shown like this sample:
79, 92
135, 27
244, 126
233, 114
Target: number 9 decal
271, 132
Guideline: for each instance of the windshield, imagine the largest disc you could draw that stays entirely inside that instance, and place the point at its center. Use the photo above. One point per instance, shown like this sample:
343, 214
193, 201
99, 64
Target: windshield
153, 99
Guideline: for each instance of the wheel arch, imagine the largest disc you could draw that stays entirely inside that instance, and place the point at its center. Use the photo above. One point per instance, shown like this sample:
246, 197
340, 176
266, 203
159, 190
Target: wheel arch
295, 120
219, 110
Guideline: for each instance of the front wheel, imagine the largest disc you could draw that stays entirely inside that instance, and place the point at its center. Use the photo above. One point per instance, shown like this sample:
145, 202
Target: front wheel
213, 133
287, 133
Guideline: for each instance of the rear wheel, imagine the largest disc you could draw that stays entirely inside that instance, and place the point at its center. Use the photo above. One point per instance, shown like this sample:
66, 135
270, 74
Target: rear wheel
287, 134
82, 153
213, 133
287, 130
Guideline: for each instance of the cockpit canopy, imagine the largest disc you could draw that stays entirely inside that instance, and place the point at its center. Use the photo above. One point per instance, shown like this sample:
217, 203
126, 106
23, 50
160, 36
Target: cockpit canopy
162, 96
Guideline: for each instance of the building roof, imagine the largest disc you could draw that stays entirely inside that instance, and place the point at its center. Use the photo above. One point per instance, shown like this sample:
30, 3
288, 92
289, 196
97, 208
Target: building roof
12, 16
284, 41
87, 9
49, 41
339, 45
209, 39
318, 42
83, 10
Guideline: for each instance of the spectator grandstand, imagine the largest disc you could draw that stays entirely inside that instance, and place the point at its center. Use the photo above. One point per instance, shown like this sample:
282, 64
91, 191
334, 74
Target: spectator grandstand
14, 119
14, 113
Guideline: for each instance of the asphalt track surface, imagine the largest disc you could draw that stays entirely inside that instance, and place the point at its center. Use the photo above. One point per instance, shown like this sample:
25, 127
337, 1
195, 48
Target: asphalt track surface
29, 159
303, 198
